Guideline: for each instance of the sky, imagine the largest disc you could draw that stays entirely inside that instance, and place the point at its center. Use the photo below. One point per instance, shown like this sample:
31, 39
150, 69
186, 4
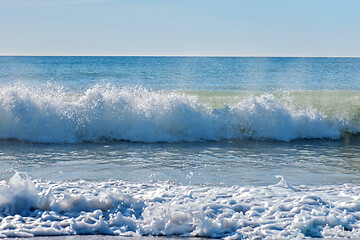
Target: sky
180, 27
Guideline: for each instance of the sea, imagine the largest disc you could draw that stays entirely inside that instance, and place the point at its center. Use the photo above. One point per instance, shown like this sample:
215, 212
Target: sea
213, 147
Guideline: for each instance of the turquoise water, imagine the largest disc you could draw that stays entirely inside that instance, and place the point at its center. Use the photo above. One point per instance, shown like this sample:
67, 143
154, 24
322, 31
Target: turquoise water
189, 146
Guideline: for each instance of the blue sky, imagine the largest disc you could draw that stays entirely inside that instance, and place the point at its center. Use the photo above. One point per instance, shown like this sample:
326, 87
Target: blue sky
180, 27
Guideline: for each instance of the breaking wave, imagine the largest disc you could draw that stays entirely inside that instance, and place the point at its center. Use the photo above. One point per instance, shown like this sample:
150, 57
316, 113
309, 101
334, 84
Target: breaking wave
104, 112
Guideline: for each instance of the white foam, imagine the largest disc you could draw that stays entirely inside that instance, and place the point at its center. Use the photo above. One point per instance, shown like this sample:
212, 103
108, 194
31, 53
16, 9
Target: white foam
36, 208
105, 112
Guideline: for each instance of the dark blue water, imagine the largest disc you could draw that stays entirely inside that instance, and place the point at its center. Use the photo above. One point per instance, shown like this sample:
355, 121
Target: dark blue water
188, 73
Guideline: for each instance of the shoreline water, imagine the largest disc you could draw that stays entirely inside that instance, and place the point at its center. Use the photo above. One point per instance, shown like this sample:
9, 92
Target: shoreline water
105, 237
179, 146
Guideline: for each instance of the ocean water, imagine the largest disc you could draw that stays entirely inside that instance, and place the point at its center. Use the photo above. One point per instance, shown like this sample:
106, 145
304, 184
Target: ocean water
210, 147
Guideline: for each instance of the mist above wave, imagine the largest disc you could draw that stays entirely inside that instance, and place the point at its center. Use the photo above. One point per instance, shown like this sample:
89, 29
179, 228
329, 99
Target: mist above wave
106, 112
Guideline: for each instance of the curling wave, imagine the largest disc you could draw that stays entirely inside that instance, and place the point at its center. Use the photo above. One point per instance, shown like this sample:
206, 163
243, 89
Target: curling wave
105, 112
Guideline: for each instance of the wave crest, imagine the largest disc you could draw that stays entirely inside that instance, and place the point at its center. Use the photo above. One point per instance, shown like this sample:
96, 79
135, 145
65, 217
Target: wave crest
105, 112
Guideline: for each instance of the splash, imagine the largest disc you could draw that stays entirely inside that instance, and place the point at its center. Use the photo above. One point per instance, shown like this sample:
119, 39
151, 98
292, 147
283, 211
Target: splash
105, 112
36, 208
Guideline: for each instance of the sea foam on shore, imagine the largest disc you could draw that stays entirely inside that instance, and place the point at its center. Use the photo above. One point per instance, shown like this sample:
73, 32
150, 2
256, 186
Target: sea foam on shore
42, 208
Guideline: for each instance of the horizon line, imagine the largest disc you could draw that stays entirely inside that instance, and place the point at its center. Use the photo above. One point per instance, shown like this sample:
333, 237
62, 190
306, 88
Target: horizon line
245, 56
